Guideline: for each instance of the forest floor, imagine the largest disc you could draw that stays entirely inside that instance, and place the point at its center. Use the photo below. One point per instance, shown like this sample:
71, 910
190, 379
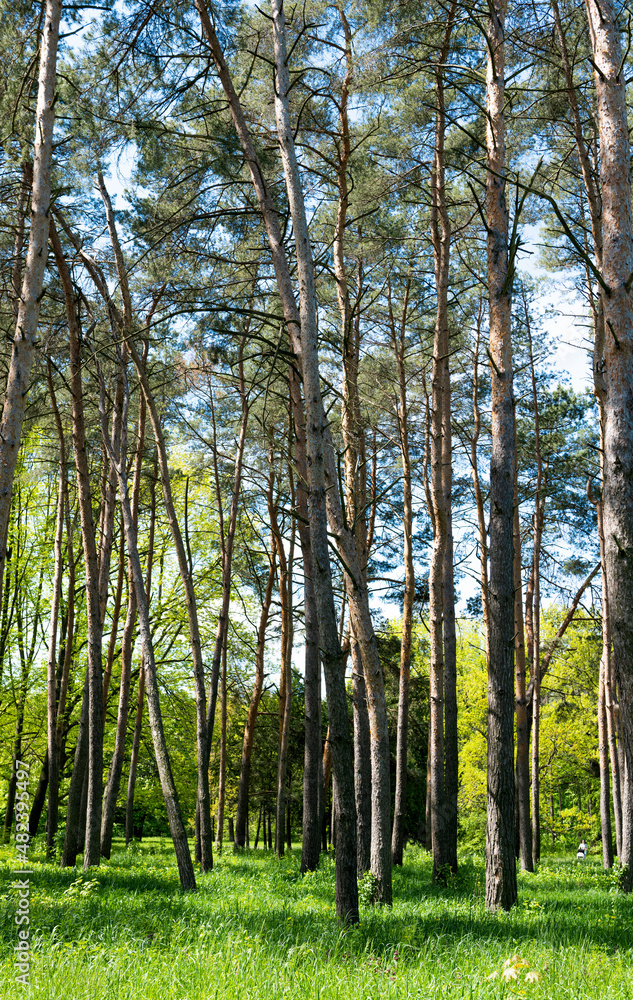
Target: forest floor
258, 930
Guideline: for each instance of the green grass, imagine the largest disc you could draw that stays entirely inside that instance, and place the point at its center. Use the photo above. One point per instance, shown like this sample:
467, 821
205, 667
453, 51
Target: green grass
257, 930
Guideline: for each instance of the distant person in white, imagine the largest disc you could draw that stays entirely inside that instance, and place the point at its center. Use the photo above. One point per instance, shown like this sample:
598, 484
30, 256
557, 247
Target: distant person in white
582, 851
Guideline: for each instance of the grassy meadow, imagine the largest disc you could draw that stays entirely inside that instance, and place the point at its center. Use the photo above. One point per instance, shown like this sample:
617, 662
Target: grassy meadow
258, 930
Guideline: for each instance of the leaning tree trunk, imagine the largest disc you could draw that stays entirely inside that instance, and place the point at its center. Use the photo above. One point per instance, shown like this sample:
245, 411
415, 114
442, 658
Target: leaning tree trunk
501, 882
24, 341
111, 792
170, 794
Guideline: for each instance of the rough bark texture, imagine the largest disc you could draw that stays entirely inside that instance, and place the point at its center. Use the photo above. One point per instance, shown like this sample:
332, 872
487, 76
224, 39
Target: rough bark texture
603, 761
523, 733
501, 883
23, 349
362, 762
73, 808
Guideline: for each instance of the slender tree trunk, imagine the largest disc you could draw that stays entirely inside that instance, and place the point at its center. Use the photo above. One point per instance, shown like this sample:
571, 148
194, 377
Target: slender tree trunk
219, 835
617, 363
127, 645
140, 697
398, 343
227, 557
440, 238
114, 630
73, 808
536, 699
523, 733
285, 686
253, 708
312, 779
479, 500
362, 762
95, 715
501, 883
355, 471
24, 341
603, 759
52, 683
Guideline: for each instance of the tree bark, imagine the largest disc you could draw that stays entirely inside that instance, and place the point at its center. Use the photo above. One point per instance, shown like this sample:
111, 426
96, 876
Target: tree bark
398, 343
113, 783
24, 339
501, 883
52, 680
617, 362
362, 762
285, 682
523, 733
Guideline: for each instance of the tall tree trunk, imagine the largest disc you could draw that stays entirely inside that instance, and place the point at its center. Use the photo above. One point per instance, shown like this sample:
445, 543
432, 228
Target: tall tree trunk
312, 777
95, 714
536, 695
617, 266
501, 883
303, 341
227, 542
355, 465
285, 683
479, 500
603, 759
52, 680
523, 733
440, 238
73, 807
140, 695
113, 783
24, 340
219, 833
362, 762
398, 343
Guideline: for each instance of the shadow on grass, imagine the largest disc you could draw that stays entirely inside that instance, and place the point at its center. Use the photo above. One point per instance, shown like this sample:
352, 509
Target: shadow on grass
253, 895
